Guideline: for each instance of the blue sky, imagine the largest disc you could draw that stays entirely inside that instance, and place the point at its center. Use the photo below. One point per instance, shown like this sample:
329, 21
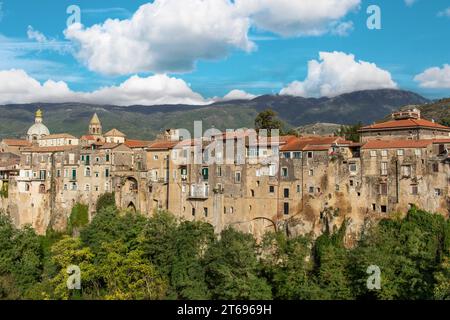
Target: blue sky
413, 39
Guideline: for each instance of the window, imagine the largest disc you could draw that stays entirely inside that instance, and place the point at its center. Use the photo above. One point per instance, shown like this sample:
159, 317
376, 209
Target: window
383, 189
414, 189
418, 152
155, 157
74, 186
87, 172
383, 209
42, 188
286, 192
437, 192
311, 189
205, 173
271, 189
400, 152
96, 174
337, 187
286, 208
183, 172
287, 155
65, 187
42, 174
384, 153
310, 154
219, 171
298, 188
297, 155
237, 177
58, 173
351, 183
87, 187
384, 170
74, 174
373, 153
311, 172
252, 193
193, 212
205, 211
107, 157
106, 173
231, 210
406, 171
352, 167
374, 207
435, 167
284, 172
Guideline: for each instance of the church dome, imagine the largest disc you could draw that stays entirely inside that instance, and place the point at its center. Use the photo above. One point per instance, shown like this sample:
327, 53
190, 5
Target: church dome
38, 129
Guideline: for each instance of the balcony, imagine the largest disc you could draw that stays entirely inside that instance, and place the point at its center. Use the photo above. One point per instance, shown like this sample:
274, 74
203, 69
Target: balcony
199, 191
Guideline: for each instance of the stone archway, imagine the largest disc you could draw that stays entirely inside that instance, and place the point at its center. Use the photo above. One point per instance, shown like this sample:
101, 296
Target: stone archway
131, 206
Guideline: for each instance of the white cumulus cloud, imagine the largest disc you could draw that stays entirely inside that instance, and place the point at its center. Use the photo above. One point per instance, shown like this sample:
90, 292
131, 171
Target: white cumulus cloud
238, 95
16, 86
163, 36
297, 18
337, 73
435, 78
410, 2
171, 35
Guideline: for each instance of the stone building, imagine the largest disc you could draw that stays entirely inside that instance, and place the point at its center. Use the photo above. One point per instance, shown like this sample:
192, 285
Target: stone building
302, 185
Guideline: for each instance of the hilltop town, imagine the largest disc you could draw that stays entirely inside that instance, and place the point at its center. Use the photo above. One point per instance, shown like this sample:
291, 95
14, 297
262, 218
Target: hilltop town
300, 184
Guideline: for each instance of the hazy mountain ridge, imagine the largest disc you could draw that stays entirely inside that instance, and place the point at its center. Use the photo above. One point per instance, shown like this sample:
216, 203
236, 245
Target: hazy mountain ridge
144, 122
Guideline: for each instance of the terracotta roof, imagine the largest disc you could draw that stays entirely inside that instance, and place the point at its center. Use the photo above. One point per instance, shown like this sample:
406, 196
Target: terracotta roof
109, 145
88, 137
58, 136
397, 144
162, 145
16, 142
136, 143
405, 123
312, 142
114, 133
49, 149
314, 147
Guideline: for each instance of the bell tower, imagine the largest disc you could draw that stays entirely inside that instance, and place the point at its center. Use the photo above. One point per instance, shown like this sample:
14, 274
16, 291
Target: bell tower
95, 126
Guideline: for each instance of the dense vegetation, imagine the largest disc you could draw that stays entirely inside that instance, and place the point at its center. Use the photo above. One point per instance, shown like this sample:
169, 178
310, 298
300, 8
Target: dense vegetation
123, 255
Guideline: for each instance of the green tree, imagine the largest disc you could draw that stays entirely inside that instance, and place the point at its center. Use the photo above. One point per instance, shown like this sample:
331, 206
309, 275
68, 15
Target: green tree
287, 266
128, 275
187, 273
79, 217
350, 132
268, 120
232, 268
106, 200
110, 225
331, 269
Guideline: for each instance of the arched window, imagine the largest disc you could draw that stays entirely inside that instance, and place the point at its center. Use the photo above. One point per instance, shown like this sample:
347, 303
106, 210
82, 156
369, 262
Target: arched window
27, 187
87, 172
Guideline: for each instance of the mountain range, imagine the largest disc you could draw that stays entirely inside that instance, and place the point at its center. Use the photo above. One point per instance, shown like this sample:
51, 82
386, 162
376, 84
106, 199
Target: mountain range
145, 122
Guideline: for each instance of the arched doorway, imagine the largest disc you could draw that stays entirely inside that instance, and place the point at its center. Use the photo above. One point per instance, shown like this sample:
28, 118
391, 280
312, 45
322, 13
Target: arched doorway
131, 206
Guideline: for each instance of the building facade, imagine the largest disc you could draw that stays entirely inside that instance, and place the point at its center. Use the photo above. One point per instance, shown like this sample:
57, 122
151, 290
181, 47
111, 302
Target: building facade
301, 185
